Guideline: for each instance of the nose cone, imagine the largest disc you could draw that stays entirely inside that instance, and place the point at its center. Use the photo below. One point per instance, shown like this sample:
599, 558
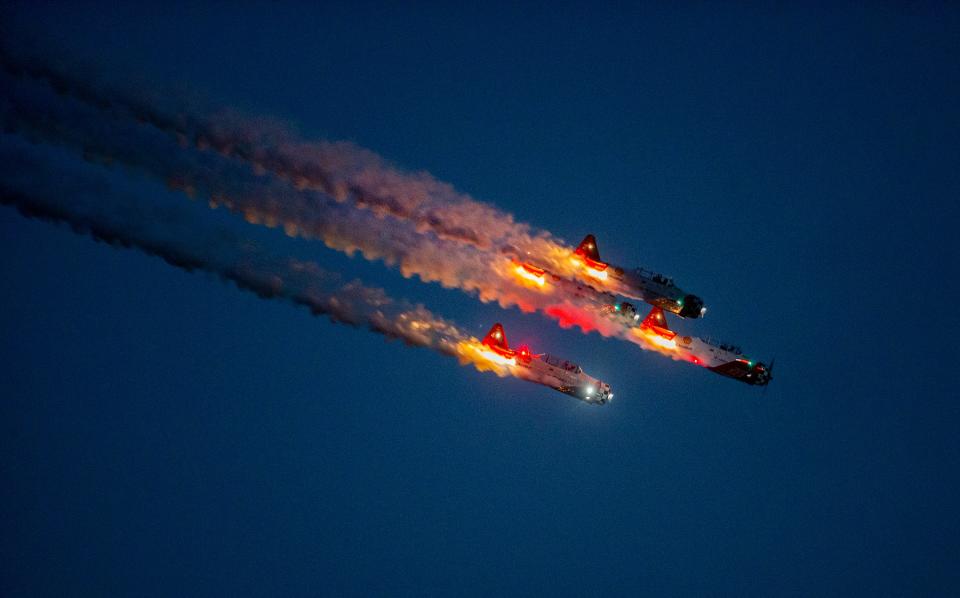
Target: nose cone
692, 307
605, 394
762, 374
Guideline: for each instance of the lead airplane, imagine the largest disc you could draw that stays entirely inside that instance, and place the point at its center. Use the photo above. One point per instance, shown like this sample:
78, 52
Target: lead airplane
724, 359
549, 370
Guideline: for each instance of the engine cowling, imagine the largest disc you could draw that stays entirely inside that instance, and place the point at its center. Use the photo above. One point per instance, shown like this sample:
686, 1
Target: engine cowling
692, 307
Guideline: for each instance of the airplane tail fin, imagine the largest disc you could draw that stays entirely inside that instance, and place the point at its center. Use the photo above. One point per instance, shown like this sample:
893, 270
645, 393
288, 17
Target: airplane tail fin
588, 248
496, 338
656, 319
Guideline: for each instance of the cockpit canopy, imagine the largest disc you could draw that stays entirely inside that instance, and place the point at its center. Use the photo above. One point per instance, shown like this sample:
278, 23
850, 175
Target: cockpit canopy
724, 346
562, 363
656, 277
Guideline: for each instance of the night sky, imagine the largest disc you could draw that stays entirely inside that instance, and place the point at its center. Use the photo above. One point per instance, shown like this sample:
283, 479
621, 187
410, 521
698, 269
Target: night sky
165, 434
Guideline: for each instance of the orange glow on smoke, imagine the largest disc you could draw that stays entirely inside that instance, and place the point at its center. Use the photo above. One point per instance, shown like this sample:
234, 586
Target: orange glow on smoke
597, 270
531, 274
495, 357
598, 274
666, 343
473, 352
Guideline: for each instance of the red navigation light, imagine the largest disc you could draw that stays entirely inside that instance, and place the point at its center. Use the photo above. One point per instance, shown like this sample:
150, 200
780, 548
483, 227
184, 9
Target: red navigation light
523, 353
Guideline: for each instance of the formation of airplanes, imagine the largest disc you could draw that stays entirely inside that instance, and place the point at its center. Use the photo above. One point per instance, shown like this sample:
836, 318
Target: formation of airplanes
607, 282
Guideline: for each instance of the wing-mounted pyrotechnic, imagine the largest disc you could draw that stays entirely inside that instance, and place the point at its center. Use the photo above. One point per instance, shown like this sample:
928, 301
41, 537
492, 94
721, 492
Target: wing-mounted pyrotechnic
530, 273
542, 368
724, 359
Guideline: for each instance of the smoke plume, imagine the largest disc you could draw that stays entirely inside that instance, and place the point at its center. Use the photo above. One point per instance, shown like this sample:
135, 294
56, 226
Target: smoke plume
91, 204
261, 171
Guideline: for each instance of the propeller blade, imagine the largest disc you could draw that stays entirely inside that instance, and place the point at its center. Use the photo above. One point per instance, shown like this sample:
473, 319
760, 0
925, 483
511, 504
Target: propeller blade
769, 376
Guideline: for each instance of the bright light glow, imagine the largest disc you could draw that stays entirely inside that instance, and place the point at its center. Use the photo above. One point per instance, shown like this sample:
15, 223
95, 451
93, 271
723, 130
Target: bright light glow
636, 317
496, 357
590, 390
526, 274
598, 274
523, 355
595, 269
703, 311
663, 342
610, 397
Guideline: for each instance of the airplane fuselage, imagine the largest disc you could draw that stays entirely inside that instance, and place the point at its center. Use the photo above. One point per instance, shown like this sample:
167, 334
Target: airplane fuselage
549, 370
726, 360
566, 377
588, 269
657, 290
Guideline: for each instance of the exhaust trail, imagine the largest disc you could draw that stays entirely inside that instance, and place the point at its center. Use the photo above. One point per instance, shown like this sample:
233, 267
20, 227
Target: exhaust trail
35, 109
343, 171
92, 205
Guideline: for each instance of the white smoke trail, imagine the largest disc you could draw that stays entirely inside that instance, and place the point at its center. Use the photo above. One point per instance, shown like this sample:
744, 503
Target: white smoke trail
92, 205
34, 110
340, 170
78, 120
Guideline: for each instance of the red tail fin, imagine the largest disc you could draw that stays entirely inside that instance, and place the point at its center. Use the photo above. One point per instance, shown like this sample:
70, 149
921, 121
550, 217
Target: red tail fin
656, 319
496, 339
588, 248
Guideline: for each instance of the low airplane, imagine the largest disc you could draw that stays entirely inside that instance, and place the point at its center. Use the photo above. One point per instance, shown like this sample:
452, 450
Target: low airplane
726, 360
549, 370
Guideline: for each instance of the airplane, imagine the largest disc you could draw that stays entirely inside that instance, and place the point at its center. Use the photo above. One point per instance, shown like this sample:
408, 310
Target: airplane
645, 285
726, 360
549, 370
639, 283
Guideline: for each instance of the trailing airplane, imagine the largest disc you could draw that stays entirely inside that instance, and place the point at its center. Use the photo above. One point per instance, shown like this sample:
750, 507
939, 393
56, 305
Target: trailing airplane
549, 370
724, 359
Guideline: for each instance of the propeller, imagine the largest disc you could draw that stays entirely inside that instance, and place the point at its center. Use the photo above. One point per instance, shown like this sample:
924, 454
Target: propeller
769, 376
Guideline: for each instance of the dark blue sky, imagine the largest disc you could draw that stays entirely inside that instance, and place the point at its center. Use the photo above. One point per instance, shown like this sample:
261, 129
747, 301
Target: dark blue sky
164, 434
